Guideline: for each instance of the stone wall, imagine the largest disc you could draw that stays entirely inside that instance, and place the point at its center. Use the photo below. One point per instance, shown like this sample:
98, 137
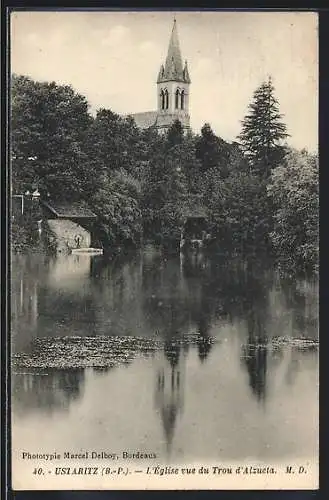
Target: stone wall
68, 235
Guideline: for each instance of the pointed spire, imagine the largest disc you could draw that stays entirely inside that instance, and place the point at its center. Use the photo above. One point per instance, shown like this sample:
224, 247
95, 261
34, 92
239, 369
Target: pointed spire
186, 73
160, 75
173, 69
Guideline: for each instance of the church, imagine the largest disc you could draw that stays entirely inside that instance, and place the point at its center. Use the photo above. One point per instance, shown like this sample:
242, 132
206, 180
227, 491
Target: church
173, 84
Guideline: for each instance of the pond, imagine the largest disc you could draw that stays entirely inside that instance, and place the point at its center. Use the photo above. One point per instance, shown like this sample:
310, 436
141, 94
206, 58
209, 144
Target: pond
182, 358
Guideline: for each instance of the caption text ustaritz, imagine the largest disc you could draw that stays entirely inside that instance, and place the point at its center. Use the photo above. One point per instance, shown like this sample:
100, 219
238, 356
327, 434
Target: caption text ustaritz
44, 460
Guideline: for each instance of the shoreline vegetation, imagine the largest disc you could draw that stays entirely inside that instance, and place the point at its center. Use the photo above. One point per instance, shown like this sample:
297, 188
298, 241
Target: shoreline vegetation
260, 196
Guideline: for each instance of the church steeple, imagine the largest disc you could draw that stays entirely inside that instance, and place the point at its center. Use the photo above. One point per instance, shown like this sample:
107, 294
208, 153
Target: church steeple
173, 86
173, 69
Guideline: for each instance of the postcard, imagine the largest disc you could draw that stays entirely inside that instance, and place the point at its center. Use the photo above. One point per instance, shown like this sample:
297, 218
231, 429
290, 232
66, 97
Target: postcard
164, 249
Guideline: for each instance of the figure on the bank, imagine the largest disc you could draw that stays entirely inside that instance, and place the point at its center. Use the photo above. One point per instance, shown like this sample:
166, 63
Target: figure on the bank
77, 240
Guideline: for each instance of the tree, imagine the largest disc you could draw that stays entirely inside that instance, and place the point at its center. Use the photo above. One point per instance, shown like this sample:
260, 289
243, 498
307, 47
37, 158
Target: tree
49, 124
165, 187
114, 156
149, 142
116, 204
238, 212
190, 165
113, 143
175, 134
294, 191
59, 148
263, 131
212, 151
164, 196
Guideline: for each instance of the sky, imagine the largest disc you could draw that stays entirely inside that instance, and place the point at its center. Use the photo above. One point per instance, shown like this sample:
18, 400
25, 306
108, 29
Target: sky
113, 59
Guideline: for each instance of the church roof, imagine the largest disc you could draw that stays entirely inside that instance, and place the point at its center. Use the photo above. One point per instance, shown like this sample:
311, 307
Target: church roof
173, 69
155, 119
145, 119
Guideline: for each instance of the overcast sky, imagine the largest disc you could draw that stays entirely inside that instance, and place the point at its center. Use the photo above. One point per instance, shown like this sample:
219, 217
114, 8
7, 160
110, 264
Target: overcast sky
113, 58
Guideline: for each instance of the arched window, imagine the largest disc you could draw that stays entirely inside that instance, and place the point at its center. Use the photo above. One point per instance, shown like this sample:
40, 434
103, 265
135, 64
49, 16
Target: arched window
166, 99
162, 99
182, 99
177, 99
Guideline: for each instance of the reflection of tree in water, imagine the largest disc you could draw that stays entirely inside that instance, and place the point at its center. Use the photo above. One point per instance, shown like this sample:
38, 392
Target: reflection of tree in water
116, 286
293, 367
204, 341
161, 282
68, 308
70, 382
300, 360
172, 296
301, 297
49, 295
255, 358
255, 352
191, 293
235, 287
48, 390
27, 272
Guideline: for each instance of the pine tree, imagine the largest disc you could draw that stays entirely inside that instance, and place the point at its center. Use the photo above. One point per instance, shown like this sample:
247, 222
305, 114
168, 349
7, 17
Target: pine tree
263, 131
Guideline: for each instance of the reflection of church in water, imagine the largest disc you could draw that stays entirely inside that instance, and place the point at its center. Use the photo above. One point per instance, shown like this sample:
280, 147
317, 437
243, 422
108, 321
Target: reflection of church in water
170, 387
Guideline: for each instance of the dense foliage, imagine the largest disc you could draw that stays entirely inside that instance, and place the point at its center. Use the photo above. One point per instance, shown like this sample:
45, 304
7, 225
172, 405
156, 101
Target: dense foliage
49, 124
294, 189
257, 194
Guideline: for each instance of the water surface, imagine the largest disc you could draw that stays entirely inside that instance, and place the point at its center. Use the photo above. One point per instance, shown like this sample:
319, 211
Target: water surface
190, 359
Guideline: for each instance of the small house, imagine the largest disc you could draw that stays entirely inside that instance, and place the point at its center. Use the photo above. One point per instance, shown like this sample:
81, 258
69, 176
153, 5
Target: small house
70, 225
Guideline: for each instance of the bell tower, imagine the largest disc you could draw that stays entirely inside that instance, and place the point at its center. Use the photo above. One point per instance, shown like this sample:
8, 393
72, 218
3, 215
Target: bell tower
173, 85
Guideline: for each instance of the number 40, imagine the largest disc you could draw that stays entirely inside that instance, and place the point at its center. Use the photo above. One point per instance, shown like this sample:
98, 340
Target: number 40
38, 471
